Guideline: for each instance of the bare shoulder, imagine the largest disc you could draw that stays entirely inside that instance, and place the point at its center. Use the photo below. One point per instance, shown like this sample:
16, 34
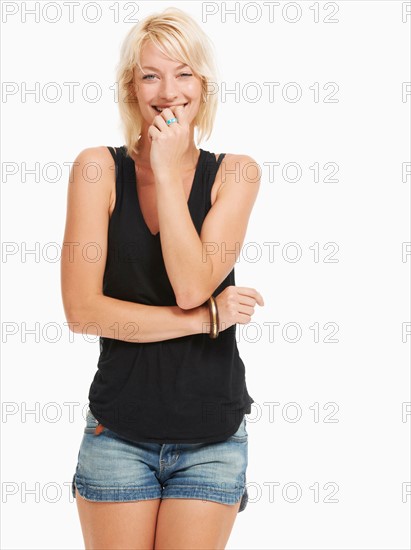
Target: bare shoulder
241, 160
100, 155
95, 165
238, 168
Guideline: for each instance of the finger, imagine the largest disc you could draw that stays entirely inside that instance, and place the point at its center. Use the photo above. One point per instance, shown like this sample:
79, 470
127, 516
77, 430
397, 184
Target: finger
251, 301
167, 114
246, 300
180, 114
259, 299
246, 310
153, 132
245, 290
159, 122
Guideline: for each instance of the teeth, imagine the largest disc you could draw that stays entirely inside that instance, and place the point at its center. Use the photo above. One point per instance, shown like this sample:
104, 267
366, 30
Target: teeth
161, 110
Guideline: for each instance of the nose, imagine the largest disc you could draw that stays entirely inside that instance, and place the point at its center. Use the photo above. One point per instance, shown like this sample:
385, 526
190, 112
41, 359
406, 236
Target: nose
168, 90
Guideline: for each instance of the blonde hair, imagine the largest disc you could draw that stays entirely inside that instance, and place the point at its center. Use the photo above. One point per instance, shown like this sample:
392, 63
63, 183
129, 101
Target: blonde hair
178, 36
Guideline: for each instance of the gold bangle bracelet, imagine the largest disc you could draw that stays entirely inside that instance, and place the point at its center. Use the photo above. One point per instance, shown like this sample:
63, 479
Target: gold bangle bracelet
214, 319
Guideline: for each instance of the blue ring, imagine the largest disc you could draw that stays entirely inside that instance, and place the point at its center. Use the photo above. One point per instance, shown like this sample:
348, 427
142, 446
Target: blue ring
171, 120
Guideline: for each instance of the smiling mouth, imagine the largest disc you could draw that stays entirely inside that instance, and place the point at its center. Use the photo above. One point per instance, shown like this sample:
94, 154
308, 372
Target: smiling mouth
159, 109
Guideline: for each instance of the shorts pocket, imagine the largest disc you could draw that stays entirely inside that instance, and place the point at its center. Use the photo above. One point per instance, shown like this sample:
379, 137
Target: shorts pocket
241, 434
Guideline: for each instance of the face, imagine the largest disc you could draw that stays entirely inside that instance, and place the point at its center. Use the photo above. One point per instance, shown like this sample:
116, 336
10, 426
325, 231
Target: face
165, 83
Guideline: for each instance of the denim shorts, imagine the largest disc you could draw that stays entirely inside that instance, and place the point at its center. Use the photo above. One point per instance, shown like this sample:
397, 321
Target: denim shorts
111, 468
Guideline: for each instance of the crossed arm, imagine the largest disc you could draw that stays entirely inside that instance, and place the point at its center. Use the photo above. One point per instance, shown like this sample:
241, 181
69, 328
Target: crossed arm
196, 265
193, 278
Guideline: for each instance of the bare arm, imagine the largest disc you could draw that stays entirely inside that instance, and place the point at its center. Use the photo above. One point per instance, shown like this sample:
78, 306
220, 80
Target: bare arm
87, 310
133, 322
197, 265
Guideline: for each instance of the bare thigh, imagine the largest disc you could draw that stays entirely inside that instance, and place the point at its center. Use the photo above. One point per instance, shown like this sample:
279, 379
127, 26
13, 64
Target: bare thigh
118, 525
194, 524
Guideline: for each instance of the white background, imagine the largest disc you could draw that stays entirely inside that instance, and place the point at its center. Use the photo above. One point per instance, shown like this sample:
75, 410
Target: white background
358, 120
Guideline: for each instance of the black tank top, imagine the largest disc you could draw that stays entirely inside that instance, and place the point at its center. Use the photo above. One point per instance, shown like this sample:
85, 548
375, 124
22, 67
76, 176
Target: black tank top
190, 389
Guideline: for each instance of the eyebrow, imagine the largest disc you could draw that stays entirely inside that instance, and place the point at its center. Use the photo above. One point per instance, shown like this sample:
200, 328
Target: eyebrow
155, 69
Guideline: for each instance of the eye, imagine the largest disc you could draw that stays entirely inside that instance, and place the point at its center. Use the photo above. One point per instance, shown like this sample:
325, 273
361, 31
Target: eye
147, 76
186, 74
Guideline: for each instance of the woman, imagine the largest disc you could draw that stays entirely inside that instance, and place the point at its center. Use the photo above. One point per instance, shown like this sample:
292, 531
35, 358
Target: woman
163, 459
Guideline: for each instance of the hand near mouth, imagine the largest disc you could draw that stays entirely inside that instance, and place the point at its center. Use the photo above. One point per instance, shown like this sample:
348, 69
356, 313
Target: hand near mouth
168, 142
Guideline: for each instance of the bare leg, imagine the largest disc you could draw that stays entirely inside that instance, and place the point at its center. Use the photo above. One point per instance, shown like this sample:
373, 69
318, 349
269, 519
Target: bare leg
194, 524
118, 525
